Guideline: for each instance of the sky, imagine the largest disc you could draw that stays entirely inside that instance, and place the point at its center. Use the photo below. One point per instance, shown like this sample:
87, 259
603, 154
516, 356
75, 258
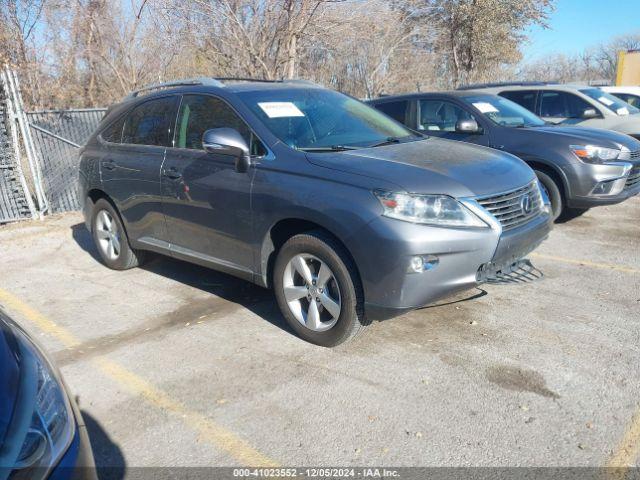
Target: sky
578, 24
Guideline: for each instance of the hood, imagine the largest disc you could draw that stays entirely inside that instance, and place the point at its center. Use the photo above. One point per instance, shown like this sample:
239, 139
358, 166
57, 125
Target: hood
433, 166
9, 375
585, 135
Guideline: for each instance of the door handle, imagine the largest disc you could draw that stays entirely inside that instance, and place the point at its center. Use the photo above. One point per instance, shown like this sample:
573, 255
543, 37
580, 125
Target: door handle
109, 165
172, 173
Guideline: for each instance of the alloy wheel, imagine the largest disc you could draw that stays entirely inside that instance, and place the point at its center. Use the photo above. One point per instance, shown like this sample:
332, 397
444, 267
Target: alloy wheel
108, 235
312, 292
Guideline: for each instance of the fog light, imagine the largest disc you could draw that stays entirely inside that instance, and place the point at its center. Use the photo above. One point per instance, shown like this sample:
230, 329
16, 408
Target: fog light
609, 187
422, 263
603, 188
416, 265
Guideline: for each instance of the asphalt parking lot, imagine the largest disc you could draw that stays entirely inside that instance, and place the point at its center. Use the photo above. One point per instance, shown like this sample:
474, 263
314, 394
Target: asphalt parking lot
178, 365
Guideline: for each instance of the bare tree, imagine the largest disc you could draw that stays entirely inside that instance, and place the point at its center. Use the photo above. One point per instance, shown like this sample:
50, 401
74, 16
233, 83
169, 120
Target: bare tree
606, 55
478, 37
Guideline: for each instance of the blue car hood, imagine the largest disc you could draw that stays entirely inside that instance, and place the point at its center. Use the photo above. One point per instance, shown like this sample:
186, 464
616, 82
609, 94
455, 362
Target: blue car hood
9, 376
434, 166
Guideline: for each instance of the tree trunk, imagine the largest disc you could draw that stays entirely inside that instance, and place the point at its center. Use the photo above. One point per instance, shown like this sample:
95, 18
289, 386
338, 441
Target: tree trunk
292, 54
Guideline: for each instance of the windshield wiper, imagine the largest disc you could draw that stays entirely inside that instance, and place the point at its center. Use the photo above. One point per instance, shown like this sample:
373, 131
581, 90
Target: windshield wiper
331, 148
388, 141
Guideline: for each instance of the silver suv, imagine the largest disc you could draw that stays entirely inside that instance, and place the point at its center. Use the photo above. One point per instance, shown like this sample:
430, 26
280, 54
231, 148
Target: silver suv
582, 106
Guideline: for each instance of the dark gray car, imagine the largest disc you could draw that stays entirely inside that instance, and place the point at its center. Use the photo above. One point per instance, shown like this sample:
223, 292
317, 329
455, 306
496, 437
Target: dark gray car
345, 213
579, 168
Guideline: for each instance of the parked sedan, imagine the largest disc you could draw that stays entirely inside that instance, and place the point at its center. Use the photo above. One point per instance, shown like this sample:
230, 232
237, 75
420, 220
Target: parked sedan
578, 168
42, 434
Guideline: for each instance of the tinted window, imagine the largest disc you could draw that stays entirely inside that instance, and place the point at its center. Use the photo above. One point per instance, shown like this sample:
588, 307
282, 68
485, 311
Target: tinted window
314, 118
151, 123
562, 104
113, 133
503, 111
611, 102
629, 98
439, 115
396, 110
526, 98
199, 113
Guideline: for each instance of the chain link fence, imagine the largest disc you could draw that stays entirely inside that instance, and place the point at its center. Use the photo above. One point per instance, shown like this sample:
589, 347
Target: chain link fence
48, 143
15, 199
57, 136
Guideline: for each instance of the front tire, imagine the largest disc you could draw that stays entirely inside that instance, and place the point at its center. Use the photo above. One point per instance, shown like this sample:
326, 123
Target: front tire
552, 189
111, 238
319, 290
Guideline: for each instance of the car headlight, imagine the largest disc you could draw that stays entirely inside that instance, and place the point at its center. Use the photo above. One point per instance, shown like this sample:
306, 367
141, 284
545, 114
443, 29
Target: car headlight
543, 198
438, 210
50, 430
594, 154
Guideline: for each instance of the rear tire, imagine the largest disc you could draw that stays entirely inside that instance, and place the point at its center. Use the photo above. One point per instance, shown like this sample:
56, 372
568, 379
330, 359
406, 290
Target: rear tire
111, 239
552, 189
320, 257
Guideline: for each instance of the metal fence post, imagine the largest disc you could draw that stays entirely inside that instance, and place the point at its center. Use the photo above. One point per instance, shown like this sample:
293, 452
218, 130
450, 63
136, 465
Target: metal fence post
15, 141
27, 140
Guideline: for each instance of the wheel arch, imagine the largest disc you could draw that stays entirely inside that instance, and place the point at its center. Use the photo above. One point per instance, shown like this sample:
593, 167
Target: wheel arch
279, 233
93, 196
554, 172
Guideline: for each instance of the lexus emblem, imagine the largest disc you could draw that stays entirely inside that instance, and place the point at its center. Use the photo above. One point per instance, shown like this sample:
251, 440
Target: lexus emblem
525, 204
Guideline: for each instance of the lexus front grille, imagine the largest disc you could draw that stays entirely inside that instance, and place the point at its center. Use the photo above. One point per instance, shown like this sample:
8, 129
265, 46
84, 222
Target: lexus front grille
516, 207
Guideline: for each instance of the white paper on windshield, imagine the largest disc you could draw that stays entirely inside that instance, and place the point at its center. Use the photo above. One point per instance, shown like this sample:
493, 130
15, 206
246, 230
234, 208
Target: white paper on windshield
433, 127
280, 109
485, 107
606, 101
622, 111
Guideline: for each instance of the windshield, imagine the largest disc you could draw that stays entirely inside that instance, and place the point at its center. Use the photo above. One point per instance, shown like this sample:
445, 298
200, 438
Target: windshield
321, 119
504, 112
612, 103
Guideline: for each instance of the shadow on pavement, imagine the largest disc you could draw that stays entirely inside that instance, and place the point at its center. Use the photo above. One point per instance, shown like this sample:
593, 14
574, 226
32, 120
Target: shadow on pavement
110, 462
258, 300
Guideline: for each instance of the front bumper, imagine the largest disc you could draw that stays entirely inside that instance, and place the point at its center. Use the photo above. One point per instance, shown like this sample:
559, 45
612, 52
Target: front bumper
384, 249
585, 178
78, 461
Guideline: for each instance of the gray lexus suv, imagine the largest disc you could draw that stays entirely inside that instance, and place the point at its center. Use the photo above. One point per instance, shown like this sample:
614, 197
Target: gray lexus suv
578, 168
348, 215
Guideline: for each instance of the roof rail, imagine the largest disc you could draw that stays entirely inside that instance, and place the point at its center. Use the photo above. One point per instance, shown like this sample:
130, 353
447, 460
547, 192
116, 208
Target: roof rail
264, 80
211, 82
176, 83
472, 86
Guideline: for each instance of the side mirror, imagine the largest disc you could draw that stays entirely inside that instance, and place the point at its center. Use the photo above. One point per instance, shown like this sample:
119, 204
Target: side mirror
467, 126
590, 113
228, 141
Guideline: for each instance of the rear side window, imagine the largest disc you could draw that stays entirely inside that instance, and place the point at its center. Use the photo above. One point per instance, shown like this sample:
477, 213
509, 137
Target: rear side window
199, 113
151, 123
628, 97
395, 110
562, 104
525, 98
113, 133
439, 115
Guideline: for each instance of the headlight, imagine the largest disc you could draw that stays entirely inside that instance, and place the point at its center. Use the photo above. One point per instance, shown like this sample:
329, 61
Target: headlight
544, 198
52, 425
428, 209
593, 154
